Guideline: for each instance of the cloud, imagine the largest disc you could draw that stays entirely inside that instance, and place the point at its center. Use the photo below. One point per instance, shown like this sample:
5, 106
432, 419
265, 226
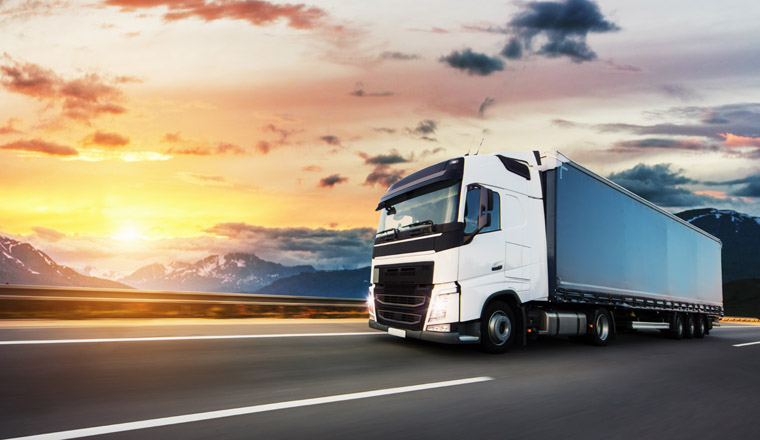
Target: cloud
8, 127
40, 146
671, 144
473, 63
331, 181
384, 130
82, 98
680, 92
48, 234
221, 148
106, 139
750, 188
425, 127
561, 27
513, 50
204, 180
324, 248
661, 185
172, 137
284, 134
723, 128
384, 176
331, 140
384, 159
311, 168
401, 56
360, 93
733, 140
484, 105
256, 12
622, 67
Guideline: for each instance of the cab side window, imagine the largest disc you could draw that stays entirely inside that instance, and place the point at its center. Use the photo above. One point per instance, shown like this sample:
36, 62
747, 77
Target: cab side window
471, 212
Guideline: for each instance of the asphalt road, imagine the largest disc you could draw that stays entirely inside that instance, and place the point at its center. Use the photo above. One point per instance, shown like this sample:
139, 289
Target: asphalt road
303, 386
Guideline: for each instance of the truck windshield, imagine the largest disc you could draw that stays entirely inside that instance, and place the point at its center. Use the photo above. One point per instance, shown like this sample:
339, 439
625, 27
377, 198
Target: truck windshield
432, 205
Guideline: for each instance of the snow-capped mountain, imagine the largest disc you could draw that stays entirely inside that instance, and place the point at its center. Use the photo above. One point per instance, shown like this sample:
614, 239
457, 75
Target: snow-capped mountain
236, 272
740, 234
22, 263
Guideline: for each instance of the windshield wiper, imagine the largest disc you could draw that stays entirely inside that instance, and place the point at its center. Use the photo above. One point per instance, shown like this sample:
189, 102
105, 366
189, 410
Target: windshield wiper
418, 224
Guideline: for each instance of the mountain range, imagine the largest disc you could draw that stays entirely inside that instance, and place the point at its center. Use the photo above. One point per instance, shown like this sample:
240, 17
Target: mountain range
740, 234
235, 272
22, 263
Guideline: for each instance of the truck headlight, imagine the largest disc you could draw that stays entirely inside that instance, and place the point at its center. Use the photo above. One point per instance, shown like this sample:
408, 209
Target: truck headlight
444, 305
371, 303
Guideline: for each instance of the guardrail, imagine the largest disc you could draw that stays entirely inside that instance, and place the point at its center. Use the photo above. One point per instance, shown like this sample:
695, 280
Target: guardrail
81, 302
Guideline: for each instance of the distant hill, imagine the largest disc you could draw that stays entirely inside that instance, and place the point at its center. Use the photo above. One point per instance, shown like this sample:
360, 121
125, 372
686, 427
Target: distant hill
325, 283
22, 263
235, 272
740, 234
742, 298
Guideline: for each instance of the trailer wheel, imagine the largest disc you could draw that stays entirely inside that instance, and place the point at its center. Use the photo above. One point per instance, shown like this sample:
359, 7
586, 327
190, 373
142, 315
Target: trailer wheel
602, 328
677, 327
699, 327
689, 327
497, 328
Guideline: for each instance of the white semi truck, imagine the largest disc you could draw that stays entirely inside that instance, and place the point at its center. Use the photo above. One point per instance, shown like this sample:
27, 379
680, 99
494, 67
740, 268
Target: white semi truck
501, 248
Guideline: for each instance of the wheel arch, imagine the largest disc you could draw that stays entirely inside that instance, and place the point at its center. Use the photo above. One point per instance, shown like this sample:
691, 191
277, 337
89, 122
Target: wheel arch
513, 301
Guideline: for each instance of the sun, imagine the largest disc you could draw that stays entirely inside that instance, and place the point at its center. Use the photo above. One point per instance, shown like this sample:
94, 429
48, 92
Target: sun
129, 233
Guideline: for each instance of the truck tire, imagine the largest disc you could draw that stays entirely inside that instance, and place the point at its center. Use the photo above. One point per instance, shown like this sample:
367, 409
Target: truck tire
602, 328
498, 328
689, 328
677, 327
699, 327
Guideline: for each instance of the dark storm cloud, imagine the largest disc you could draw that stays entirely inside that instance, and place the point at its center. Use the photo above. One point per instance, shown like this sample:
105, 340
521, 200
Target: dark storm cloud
660, 185
561, 27
331, 181
513, 50
473, 63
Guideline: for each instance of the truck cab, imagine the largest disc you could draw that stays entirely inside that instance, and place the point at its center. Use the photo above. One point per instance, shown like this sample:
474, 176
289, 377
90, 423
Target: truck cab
455, 237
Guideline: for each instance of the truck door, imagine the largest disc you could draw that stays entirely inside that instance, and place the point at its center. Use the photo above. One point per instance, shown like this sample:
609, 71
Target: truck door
496, 257
481, 261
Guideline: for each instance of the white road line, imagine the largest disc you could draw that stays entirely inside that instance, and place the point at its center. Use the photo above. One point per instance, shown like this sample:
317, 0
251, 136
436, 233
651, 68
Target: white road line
746, 344
165, 421
183, 338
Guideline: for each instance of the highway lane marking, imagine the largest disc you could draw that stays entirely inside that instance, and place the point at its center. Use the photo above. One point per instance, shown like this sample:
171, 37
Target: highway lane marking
185, 338
746, 344
176, 420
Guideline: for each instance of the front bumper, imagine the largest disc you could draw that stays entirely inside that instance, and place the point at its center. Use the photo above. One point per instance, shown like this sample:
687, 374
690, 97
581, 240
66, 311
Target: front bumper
440, 337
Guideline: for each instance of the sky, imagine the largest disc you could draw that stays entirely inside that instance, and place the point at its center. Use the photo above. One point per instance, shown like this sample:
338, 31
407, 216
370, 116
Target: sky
141, 131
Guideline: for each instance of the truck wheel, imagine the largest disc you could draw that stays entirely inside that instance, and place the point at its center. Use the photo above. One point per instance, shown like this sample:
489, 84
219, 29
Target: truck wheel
677, 329
689, 327
497, 327
602, 330
699, 327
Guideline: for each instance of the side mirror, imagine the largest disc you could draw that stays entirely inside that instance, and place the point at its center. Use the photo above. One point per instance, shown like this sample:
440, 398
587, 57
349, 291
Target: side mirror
485, 204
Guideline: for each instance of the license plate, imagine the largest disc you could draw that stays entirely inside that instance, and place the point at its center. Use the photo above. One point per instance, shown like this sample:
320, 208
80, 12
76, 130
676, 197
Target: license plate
397, 332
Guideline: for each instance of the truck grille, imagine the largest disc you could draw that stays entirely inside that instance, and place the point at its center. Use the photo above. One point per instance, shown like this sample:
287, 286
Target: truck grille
402, 294
405, 301
402, 318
